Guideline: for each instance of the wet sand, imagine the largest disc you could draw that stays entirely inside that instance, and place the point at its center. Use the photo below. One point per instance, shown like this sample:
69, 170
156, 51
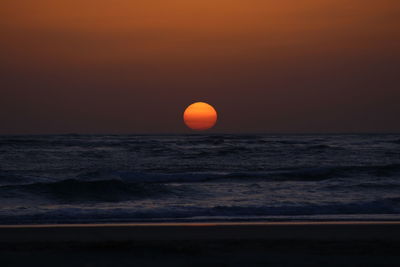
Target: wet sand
199, 244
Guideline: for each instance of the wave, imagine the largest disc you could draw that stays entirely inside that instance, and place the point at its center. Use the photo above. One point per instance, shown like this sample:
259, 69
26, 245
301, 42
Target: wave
72, 190
89, 141
120, 178
83, 141
297, 174
384, 206
380, 206
370, 185
7, 178
397, 141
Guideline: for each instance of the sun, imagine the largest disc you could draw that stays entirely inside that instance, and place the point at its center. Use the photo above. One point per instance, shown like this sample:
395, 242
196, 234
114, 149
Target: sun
200, 116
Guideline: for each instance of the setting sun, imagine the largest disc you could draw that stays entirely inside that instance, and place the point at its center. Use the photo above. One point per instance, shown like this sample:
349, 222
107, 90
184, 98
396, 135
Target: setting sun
200, 116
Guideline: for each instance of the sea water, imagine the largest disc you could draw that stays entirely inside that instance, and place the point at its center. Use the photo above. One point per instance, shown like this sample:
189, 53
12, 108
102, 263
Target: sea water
218, 177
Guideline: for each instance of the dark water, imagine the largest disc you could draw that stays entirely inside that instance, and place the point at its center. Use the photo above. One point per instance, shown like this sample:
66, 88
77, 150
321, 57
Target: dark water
120, 178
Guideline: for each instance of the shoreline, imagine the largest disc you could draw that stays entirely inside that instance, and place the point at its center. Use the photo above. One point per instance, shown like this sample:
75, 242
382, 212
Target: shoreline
122, 232
201, 223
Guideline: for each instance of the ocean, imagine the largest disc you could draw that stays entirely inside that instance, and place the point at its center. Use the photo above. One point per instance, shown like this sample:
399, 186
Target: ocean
195, 178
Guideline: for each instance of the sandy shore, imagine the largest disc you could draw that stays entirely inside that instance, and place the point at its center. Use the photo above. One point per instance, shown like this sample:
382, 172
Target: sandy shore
199, 244
201, 231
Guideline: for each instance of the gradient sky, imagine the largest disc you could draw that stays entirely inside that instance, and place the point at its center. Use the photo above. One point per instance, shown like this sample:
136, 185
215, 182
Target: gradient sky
125, 66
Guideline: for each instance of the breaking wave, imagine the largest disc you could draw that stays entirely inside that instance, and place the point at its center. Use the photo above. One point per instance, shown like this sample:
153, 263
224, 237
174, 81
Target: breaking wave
67, 215
73, 190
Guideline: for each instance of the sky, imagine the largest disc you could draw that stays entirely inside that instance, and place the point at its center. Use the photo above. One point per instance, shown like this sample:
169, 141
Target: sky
125, 66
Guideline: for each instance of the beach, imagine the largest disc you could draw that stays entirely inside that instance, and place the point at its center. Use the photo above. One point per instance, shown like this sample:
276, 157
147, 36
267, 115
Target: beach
200, 200
199, 133
357, 243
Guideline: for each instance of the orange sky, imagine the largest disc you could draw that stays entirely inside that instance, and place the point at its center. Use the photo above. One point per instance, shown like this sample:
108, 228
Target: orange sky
128, 66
